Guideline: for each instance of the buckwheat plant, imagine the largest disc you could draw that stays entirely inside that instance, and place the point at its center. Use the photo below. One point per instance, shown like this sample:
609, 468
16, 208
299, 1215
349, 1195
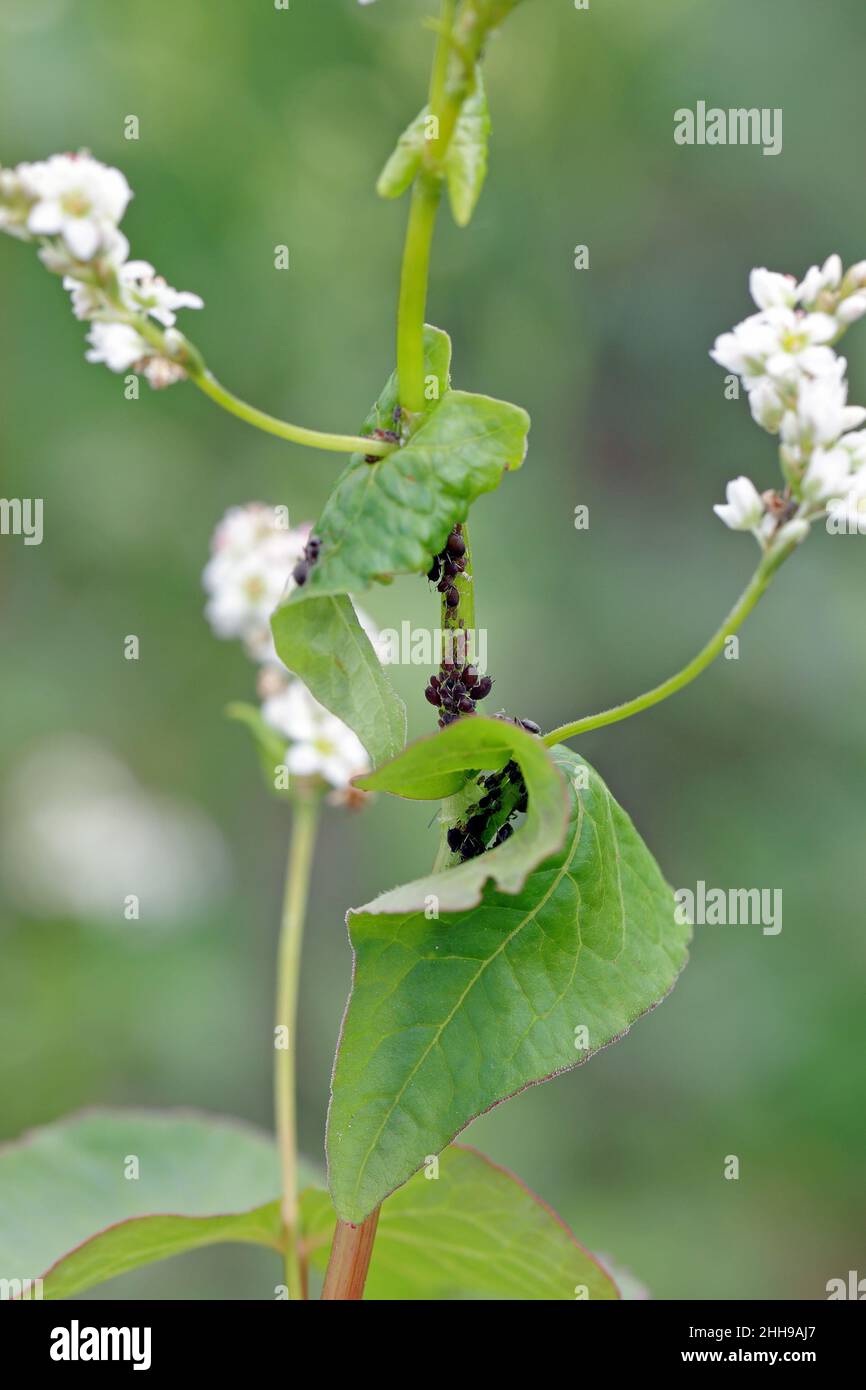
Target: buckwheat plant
545, 928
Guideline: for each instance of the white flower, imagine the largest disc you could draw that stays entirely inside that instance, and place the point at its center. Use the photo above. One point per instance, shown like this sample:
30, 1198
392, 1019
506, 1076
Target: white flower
143, 291
744, 508
746, 348
855, 444
767, 405
14, 205
822, 410
799, 343
770, 289
828, 475
816, 280
851, 506
249, 573
117, 345
74, 197
795, 530
320, 745
851, 309
88, 298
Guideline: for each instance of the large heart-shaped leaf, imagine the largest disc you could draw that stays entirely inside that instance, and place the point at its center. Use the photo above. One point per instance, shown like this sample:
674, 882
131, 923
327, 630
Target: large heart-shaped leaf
391, 516
105, 1192
323, 642
447, 1017
436, 767
466, 1228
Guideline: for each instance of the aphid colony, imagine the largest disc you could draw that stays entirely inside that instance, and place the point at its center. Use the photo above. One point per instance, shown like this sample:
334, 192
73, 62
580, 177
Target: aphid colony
447, 565
456, 690
489, 824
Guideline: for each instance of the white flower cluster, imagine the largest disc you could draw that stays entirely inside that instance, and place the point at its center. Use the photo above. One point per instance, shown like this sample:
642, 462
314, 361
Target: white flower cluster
72, 206
797, 389
253, 553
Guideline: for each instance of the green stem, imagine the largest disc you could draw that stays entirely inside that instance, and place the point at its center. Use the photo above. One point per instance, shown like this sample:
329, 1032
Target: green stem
737, 616
303, 840
439, 74
424, 205
462, 31
189, 357
412, 309
296, 434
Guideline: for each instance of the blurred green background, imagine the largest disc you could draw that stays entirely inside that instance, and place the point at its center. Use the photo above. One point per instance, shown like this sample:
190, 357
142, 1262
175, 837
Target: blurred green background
261, 127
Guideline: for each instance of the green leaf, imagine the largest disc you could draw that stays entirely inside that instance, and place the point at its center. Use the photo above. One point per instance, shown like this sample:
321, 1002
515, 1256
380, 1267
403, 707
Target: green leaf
447, 1017
270, 746
390, 517
323, 642
436, 767
71, 1216
318, 636
402, 165
475, 1230
466, 163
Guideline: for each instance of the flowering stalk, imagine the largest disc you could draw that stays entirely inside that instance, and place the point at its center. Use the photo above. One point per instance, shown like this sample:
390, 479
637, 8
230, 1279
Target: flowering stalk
305, 822
797, 388
757, 585
71, 205
296, 434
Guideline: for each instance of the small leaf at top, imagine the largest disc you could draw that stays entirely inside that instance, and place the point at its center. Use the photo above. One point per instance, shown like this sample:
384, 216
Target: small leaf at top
451, 1014
465, 165
466, 162
402, 165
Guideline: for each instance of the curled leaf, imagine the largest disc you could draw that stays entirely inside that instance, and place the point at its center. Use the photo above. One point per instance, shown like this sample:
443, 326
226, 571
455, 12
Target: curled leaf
453, 1013
436, 767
